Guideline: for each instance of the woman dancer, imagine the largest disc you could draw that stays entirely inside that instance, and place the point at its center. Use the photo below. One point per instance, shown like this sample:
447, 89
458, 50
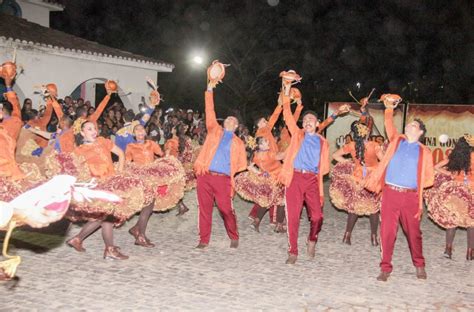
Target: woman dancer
345, 191
451, 200
260, 184
181, 146
142, 152
96, 152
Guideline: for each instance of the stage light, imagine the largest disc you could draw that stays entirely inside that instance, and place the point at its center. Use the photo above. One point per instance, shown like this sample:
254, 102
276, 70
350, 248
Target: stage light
198, 60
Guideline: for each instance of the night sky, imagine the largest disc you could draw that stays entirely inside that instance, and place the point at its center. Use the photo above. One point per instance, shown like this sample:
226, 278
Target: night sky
422, 50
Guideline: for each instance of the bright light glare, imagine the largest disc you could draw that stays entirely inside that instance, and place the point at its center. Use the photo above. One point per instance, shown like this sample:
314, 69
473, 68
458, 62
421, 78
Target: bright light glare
198, 60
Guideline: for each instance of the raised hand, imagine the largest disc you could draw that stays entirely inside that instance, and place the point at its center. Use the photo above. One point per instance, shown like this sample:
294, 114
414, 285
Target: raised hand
215, 74
8, 73
111, 87
390, 100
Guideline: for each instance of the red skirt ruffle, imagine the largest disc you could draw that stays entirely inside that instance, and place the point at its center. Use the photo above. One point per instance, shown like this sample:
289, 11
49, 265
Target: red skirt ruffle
132, 191
348, 194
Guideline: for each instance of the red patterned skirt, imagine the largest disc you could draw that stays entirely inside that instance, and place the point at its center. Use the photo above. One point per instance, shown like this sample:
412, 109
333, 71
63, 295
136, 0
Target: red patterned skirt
165, 177
348, 194
260, 189
450, 203
134, 192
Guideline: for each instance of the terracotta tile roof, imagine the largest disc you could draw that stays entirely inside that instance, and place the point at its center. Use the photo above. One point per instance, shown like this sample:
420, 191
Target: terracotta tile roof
15, 28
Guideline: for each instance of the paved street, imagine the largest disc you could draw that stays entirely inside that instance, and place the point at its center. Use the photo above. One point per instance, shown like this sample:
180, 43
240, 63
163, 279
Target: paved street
176, 277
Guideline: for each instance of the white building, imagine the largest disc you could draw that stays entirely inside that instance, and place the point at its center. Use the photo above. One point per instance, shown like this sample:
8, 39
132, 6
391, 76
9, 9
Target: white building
45, 55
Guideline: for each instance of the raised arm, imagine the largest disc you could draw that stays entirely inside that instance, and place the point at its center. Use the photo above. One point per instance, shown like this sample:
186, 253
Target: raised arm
323, 125
57, 109
287, 116
328, 121
390, 128
298, 110
211, 121
13, 99
43, 121
274, 117
100, 109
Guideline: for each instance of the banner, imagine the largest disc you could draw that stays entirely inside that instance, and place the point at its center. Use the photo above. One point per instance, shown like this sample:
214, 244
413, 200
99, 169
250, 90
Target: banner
445, 124
339, 132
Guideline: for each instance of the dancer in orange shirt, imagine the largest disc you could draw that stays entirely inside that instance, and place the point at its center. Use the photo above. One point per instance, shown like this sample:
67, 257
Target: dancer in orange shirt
10, 114
221, 157
96, 152
451, 200
142, 152
346, 191
260, 185
181, 146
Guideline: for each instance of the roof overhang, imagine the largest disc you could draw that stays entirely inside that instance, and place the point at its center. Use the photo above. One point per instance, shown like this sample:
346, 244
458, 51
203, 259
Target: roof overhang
85, 55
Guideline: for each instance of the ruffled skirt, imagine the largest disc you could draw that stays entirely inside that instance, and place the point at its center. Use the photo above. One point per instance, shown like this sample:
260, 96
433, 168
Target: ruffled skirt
259, 189
165, 177
450, 203
133, 192
348, 194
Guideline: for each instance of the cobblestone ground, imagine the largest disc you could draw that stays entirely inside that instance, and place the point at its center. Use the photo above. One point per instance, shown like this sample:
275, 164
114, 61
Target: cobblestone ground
176, 277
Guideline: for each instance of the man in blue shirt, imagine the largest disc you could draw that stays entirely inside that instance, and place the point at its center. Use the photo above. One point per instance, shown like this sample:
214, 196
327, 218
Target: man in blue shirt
403, 172
222, 156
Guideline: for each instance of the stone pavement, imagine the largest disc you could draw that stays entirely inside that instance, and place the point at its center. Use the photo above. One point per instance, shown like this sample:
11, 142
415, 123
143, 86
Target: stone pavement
176, 277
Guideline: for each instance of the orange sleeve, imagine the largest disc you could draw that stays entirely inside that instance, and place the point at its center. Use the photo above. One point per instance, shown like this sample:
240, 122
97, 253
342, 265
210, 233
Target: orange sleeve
172, 146
289, 119
57, 109
12, 98
325, 124
128, 153
157, 149
429, 168
100, 109
211, 121
107, 143
43, 121
274, 117
390, 128
297, 113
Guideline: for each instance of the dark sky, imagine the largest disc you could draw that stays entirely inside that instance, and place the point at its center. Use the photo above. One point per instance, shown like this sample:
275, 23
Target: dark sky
423, 50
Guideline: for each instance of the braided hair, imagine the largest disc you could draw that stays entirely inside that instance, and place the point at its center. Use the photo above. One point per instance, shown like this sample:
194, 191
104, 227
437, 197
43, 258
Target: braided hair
359, 141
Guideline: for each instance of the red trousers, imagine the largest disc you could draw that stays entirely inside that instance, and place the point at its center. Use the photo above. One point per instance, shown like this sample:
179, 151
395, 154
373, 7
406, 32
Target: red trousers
272, 214
304, 188
399, 207
212, 188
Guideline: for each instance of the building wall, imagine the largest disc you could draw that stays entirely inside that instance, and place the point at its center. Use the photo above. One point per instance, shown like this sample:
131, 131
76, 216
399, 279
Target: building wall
39, 66
37, 11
